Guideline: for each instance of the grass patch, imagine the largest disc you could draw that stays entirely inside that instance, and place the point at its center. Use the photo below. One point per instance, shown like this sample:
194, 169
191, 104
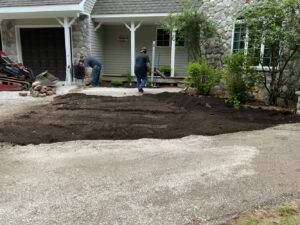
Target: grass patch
117, 82
285, 214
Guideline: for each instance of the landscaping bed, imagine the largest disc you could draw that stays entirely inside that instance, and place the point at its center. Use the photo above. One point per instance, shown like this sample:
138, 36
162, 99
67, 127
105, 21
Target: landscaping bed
166, 116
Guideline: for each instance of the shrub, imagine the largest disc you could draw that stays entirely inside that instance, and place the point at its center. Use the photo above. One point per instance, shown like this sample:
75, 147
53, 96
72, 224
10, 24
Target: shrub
240, 77
201, 76
166, 70
129, 78
116, 82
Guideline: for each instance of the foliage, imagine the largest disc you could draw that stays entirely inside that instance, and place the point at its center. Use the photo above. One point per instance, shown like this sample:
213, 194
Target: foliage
116, 82
192, 26
275, 23
165, 69
240, 77
148, 83
129, 77
201, 76
283, 215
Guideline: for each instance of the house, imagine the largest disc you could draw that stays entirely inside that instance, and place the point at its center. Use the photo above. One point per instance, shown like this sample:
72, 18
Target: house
51, 34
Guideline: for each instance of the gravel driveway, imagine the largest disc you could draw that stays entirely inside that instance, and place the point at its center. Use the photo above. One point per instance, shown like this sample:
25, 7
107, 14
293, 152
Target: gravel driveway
202, 179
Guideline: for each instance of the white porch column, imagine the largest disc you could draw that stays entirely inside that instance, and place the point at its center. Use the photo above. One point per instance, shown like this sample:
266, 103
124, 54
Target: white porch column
66, 24
173, 53
132, 29
153, 59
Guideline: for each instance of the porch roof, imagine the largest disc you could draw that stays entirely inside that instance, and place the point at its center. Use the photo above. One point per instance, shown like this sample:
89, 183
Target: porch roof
109, 7
16, 9
20, 3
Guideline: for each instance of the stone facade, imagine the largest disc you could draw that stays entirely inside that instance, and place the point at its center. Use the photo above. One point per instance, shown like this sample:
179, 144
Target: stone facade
81, 37
223, 12
9, 39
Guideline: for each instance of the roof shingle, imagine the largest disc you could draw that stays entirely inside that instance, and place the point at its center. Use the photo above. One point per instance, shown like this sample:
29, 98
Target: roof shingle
137, 6
22, 3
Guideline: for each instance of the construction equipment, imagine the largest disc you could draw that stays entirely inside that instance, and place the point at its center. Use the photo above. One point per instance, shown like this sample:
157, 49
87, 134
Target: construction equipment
14, 77
47, 79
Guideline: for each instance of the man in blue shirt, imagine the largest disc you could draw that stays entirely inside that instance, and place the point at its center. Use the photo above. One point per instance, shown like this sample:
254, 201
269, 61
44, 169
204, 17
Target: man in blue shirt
95, 64
142, 66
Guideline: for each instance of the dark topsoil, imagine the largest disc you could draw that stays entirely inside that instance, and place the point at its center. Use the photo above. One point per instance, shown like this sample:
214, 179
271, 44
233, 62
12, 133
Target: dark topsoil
166, 115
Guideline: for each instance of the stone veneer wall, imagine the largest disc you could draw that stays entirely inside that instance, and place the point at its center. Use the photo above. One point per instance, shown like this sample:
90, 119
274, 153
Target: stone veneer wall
81, 38
223, 12
9, 39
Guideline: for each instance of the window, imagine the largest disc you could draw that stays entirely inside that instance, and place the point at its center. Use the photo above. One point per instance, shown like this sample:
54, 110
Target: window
163, 37
243, 40
239, 37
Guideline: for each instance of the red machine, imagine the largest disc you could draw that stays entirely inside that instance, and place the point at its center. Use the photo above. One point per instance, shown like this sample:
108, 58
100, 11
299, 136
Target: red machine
14, 77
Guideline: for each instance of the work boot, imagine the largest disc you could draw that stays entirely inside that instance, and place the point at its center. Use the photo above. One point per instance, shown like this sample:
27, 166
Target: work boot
141, 90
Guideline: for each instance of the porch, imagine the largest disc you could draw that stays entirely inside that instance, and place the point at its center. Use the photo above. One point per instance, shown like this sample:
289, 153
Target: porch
117, 40
176, 81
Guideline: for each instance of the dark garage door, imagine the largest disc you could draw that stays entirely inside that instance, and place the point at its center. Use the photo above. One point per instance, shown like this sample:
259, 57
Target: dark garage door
44, 49
0, 43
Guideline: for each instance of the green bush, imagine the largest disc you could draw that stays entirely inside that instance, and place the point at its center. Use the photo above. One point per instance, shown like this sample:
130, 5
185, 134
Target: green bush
165, 69
116, 82
201, 76
240, 77
129, 77
148, 83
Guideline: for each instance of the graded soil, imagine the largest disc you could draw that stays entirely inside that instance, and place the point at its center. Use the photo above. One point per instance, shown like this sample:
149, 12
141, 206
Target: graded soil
162, 116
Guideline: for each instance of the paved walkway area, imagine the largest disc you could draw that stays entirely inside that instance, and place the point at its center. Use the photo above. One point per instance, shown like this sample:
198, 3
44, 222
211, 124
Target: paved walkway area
196, 178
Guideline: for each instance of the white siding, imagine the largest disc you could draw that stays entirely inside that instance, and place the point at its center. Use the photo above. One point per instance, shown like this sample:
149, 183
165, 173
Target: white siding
117, 54
97, 42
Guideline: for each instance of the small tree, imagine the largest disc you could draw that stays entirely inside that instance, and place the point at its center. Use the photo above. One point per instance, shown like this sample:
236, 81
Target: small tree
276, 24
192, 26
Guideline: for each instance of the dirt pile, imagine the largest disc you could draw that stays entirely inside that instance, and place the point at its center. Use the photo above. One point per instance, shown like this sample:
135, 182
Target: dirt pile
166, 115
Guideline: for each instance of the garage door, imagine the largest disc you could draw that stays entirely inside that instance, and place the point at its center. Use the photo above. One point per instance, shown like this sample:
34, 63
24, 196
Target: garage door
44, 49
0, 43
